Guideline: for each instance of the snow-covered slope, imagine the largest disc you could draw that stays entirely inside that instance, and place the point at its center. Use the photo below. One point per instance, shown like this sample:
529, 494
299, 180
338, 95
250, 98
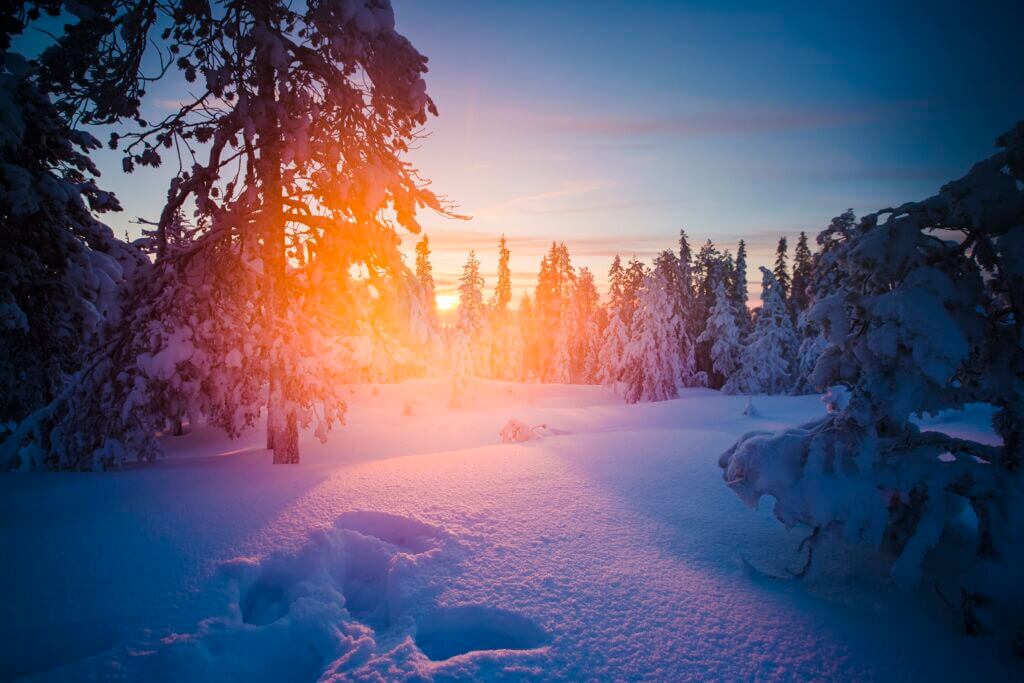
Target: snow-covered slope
414, 544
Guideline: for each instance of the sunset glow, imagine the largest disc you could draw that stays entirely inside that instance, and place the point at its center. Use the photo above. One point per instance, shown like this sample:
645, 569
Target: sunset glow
446, 302
388, 340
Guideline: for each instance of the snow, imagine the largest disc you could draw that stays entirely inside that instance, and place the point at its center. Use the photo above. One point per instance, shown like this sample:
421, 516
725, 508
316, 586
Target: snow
414, 544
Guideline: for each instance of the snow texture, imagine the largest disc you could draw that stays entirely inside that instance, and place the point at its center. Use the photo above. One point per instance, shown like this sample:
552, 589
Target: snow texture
607, 551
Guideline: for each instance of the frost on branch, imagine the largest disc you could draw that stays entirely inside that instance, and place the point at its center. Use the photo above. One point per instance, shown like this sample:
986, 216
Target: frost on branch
926, 316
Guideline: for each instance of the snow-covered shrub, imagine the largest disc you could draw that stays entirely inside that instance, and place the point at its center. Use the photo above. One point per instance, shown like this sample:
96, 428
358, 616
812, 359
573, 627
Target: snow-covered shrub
926, 317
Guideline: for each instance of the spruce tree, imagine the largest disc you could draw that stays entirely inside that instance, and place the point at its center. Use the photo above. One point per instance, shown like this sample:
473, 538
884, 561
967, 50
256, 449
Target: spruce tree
766, 366
781, 270
739, 291
802, 264
650, 366
425, 277
724, 335
300, 117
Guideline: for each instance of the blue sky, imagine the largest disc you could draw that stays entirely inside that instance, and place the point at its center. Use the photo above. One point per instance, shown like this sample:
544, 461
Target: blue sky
610, 125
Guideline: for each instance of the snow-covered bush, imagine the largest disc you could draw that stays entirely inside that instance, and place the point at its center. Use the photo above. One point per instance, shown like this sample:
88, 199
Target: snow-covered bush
927, 316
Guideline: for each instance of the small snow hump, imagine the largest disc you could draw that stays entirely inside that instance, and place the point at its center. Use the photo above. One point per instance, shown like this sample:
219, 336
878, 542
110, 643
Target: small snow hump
516, 431
750, 409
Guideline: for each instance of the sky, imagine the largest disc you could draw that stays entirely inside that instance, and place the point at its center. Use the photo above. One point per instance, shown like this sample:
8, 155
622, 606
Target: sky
611, 125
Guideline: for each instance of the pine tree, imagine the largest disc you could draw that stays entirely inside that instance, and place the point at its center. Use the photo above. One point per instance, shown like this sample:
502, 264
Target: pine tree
296, 145
766, 366
650, 367
506, 342
425, 277
739, 291
802, 264
781, 270
632, 284
723, 333
503, 290
708, 271
555, 284
917, 323
823, 281
616, 282
63, 274
669, 270
471, 298
615, 335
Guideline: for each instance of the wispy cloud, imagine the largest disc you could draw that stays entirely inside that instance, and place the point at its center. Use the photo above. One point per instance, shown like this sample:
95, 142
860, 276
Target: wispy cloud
536, 201
747, 120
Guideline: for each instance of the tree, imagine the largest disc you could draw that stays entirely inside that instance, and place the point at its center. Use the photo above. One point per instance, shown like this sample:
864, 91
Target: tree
709, 269
781, 270
670, 271
633, 278
577, 323
766, 366
723, 333
918, 322
425, 277
650, 366
471, 298
823, 281
295, 141
615, 336
506, 340
555, 284
738, 288
503, 290
802, 265
63, 274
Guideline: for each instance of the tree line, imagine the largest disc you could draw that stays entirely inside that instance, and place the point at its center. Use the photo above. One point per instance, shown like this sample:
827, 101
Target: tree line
681, 321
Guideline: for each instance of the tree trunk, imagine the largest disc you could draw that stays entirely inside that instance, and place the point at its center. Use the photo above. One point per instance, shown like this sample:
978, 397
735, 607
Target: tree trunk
282, 425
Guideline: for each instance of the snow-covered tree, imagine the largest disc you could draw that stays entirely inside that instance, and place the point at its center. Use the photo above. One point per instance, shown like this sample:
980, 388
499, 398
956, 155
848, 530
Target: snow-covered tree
802, 266
766, 366
62, 272
295, 134
723, 333
555, 284
738, 288
506, 340
823, 281
615, 335
472, 314
781, 270
425, 277
676, 277
633, 279
650, 366
919, 323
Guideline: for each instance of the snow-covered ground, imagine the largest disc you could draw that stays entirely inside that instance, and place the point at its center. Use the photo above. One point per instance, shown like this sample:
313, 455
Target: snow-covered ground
417, 546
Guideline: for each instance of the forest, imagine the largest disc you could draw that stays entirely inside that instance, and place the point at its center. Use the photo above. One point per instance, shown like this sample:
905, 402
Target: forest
281, 303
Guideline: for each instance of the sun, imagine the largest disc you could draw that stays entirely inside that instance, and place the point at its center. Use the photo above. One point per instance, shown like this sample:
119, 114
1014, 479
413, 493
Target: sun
446, 302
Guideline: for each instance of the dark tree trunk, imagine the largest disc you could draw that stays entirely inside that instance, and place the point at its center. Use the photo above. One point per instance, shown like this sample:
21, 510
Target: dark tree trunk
282, 425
